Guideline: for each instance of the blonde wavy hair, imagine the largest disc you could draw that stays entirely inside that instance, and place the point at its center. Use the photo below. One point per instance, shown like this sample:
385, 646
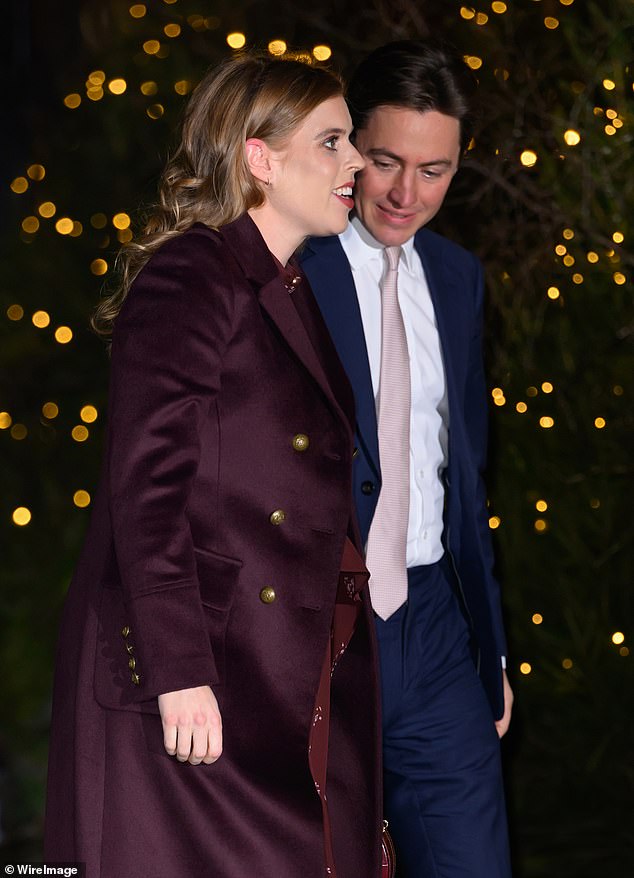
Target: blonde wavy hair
207, 179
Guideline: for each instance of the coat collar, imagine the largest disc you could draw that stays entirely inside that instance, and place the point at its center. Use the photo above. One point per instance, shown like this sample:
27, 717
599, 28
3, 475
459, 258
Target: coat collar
256, 262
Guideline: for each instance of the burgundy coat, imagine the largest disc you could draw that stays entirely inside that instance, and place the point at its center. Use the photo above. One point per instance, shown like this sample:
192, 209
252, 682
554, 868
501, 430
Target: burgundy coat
208, 497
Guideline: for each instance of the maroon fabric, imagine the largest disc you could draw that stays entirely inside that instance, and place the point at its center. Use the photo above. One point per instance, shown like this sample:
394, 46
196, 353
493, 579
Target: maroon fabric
213, 374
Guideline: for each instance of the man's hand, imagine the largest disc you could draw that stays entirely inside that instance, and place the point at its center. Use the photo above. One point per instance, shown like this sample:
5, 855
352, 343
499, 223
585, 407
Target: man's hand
192, 726
502, 725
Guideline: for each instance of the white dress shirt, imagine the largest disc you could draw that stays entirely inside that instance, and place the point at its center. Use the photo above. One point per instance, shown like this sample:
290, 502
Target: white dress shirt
429, 421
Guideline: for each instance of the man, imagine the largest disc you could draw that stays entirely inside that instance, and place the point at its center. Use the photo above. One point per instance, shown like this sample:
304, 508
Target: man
404, 306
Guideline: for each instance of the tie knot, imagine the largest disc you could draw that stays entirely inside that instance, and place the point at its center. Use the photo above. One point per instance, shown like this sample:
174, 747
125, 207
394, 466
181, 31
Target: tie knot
392, 254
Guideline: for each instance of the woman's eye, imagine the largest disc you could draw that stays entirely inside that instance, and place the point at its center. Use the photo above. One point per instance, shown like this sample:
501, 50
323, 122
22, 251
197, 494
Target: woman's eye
331, 143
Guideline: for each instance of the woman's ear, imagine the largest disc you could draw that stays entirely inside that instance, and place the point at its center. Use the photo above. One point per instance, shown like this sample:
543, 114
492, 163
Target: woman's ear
259, 159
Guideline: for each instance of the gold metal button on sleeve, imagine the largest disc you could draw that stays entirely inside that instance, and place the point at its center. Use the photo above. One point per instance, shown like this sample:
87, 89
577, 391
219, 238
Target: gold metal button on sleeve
129, 648
135, 678
125, 631
301, 442
132, 664
267, 595
277, 517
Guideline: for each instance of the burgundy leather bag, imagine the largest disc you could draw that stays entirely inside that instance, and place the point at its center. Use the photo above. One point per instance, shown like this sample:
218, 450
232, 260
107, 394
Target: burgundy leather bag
388, 858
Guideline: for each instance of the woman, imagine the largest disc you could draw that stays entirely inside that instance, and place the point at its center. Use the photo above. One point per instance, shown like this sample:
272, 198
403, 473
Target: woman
195, 659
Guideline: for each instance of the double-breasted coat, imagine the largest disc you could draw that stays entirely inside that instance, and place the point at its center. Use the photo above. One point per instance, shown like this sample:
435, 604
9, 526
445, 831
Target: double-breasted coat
213, 557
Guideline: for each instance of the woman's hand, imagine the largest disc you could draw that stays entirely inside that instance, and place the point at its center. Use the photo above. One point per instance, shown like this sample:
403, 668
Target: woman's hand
192, 726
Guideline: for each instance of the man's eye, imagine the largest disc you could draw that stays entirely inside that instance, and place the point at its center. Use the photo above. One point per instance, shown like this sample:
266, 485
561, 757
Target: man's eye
385, 166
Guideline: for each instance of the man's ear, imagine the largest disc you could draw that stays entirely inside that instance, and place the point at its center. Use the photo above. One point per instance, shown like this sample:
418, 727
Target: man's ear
258, 159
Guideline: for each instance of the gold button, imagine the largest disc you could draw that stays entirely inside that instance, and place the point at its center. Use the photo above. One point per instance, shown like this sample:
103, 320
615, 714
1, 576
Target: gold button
277, 517
301, 442
125, 630
135, 678
132, 664
129, 648
267, 595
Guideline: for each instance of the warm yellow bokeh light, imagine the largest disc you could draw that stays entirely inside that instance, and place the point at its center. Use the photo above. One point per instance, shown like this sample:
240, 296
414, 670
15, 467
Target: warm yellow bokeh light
172, 30
618, 237
117, 86
30, 224
521, 407
63, 334
15, 312
121, 220
537, 618
19, 185
541, 525
72, 101
568, 234
609, 84
599, 423
47, 209
138, 10
50, 410
81, 499
151, 47
553, 293
499, 7
99, 266
88, 414
532, 391
497, 392
618, 637
64, 225
36, 172
577, 278
277, 47
619, 278
561, 249
41, 319
5, 420
569, 260
182, 87
547, 387
592, 257
494, 522
322, 53
236, 40
149, 88
546, 422
467, 12
525, 668
79, 433
474, 62
541, 506
528, 158
19, 432
566, 664
21, 516
481, 18
572, 137
155, 111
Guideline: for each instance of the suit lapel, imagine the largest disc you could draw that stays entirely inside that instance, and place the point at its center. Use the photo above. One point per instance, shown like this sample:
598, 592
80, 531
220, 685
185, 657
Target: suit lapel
328, 271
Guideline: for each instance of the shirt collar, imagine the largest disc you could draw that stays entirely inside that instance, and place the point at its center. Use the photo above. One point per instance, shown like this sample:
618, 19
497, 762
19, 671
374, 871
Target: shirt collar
361, 246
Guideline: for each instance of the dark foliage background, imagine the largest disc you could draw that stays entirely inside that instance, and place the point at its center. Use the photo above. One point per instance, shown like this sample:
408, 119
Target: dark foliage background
559, 347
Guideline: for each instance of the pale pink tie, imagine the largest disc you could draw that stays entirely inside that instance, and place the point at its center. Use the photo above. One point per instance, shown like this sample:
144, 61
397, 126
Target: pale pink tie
387, 541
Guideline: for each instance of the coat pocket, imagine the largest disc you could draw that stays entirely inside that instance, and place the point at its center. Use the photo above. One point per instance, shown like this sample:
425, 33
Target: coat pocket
218, 580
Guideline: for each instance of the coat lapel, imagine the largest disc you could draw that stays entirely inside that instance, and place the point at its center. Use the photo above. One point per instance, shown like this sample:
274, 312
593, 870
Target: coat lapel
255, 260
328, 271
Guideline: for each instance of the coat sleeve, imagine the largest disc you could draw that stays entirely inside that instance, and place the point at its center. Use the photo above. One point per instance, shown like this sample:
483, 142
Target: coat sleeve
168, 346
476, 420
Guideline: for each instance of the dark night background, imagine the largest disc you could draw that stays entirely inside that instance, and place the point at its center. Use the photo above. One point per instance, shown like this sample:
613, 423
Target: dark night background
546, 199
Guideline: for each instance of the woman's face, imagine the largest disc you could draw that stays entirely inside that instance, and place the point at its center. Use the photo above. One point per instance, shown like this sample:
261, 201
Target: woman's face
311, 178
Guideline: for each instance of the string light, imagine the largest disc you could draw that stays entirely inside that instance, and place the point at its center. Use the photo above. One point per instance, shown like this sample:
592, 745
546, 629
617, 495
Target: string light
236, 40
21, 516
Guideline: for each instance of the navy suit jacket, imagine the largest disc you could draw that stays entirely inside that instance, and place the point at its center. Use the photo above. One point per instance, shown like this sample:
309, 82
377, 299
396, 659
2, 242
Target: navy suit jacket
456, 286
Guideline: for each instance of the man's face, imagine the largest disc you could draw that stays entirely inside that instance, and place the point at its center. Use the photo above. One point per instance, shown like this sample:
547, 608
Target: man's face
411, 158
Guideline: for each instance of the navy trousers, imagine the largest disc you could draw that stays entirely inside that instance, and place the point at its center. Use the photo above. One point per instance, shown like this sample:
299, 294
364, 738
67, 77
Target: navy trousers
444, 798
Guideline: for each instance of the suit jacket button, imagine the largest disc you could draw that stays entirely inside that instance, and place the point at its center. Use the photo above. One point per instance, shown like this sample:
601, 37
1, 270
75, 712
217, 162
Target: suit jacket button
267, 595
125, 631
132, 664
368, 487
301, 442
135, 678
277, 517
